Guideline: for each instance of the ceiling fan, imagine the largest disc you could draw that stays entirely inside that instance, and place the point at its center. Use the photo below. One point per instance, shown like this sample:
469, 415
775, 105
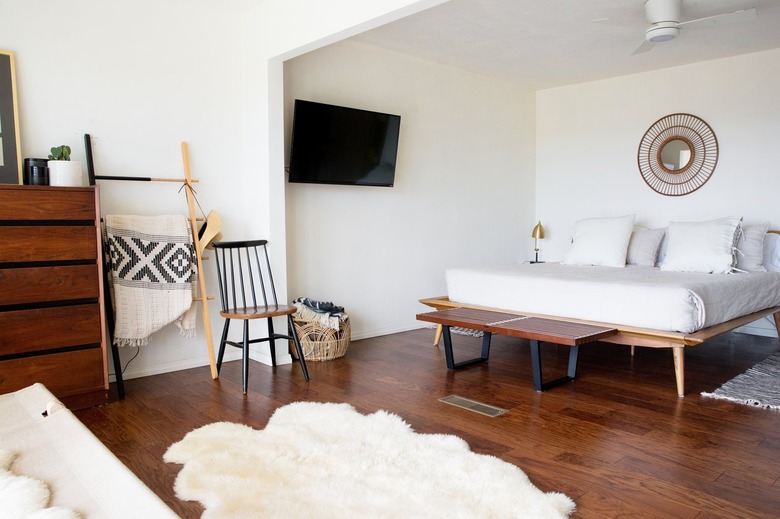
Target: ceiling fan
665, 23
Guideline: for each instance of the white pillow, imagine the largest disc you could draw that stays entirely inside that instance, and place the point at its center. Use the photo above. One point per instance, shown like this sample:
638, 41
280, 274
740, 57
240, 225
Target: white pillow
600, 241
702, 246
662, 248
643, 247
750, 255
772, 252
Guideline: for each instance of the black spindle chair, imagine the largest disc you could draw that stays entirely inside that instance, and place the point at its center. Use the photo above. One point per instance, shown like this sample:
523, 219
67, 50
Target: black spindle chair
247, 292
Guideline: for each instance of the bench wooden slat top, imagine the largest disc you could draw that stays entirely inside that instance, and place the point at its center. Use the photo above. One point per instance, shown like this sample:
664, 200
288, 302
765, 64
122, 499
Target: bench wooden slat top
558, 332
534, 328
465, 318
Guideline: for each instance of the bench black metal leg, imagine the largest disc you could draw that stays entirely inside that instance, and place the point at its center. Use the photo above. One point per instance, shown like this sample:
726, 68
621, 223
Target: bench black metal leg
536, 367
451, 364
574, 354
486, 336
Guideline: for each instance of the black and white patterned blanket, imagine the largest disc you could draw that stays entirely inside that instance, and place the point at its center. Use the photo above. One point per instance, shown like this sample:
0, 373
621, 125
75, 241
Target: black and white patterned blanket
153, 269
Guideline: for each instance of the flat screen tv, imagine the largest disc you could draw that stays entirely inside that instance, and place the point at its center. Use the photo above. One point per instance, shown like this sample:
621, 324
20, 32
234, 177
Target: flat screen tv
340, 145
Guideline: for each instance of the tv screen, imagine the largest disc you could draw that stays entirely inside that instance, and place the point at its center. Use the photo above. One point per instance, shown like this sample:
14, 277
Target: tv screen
339, 145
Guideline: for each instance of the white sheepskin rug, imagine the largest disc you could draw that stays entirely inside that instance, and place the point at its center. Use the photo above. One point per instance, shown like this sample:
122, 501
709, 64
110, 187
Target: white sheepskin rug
22, 497
329, 461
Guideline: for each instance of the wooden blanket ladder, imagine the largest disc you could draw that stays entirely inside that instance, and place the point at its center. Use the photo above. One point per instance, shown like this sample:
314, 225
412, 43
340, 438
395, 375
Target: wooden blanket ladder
187, 182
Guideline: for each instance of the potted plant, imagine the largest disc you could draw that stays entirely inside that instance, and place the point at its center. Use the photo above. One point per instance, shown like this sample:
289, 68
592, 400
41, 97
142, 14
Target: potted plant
62, 170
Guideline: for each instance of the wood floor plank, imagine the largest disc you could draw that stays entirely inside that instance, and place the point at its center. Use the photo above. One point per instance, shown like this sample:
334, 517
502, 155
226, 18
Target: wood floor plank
718, 494
617, 439
708, 450
595, 505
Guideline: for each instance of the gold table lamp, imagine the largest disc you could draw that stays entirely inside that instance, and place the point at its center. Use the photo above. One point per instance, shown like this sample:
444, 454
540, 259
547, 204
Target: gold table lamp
537, 234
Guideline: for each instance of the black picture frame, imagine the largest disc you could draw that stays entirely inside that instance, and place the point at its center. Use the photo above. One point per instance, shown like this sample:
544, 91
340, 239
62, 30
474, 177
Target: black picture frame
10, 148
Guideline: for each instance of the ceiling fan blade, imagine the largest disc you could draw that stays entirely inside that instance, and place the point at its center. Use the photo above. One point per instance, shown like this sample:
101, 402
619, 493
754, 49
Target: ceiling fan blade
745, 15
646, 46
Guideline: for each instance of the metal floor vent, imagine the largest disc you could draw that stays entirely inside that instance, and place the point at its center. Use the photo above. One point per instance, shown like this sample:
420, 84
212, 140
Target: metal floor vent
472, 405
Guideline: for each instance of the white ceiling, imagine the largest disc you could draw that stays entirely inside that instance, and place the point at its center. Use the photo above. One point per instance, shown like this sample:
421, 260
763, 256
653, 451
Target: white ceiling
547, 43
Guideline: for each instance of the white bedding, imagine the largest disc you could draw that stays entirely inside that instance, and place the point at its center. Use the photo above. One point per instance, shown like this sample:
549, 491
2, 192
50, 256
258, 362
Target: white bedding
83, 475
638, 296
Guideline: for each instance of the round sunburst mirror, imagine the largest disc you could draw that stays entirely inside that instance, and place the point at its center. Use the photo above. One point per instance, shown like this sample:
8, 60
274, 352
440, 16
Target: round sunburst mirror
678, 154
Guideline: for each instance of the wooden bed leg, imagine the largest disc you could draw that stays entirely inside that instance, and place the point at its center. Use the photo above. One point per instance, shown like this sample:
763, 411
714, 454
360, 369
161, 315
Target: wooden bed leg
679, 369
777, 322
437, 337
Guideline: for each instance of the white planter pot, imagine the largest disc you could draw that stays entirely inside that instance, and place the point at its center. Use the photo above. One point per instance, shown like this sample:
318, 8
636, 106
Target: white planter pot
65, 173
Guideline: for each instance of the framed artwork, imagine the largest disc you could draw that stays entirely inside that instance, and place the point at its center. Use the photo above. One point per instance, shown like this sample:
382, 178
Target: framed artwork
10, 150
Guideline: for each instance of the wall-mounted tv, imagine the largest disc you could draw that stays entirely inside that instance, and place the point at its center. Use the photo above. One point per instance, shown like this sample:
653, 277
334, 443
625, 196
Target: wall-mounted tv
340, 145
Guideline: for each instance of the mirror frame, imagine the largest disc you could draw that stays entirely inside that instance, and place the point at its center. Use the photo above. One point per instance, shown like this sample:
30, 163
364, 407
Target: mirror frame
702, 142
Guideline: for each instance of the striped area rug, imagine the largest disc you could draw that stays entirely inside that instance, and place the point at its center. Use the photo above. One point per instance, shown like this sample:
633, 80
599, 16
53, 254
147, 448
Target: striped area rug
462, 331
759, 386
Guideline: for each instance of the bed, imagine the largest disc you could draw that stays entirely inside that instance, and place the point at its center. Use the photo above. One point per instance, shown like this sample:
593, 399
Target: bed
668, 297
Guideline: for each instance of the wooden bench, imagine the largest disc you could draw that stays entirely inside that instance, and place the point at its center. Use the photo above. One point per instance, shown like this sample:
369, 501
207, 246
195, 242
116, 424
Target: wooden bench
535, 329
631, 335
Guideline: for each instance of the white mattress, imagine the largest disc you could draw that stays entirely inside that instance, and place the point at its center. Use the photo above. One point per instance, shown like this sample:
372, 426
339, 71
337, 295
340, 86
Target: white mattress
633, 296
82, 474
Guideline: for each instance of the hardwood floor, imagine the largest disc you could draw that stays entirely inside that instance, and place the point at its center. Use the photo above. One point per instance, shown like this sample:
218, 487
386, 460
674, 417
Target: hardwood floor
617, 440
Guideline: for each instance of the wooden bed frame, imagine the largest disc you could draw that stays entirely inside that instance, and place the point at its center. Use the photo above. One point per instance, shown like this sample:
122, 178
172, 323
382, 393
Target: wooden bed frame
633, 336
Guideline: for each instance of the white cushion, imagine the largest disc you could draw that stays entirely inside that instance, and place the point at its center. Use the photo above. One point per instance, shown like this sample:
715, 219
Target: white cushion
750, 255
772, 252
600, 241
662, 248
702, 246
643, 247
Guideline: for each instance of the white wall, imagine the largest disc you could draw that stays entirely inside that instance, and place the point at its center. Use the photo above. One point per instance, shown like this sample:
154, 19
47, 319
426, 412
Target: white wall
141, 77
139, 84
588, 136
463, 193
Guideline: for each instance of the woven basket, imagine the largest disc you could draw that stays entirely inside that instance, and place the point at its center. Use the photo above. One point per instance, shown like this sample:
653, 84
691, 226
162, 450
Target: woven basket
321, 343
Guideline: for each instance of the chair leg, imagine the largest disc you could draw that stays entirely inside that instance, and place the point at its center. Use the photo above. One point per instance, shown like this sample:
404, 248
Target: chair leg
298, 348
271, 340
245, 367
222, 344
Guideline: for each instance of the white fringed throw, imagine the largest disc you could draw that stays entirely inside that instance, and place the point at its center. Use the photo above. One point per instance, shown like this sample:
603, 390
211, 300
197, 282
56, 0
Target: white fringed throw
153, 272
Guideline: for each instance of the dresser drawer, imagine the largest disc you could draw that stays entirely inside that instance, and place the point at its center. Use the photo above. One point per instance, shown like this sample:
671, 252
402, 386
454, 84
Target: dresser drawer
48, 284
51, 300
64, 374
47, 243
27, 331
47, 203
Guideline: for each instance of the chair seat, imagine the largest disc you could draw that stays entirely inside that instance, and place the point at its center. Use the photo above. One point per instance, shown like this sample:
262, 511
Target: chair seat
258, 312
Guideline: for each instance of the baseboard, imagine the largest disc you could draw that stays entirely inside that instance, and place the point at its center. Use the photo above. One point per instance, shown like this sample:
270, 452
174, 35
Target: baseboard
764, 327
264, 357
378, 332
169, 367
261, 354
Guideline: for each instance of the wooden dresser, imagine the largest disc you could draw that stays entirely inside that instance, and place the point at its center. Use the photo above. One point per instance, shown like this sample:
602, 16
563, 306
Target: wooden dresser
51, 293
